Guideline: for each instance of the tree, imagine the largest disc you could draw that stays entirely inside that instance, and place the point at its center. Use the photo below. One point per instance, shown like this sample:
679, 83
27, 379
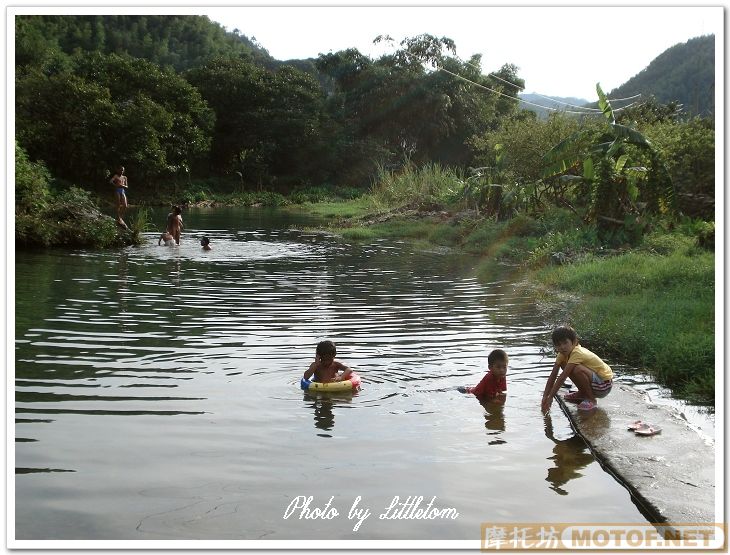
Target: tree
267, 121
419, 103
617, 191
110, 110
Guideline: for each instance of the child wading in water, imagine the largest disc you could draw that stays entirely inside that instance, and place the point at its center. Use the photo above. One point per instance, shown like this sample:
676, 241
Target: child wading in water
495, 381
325, 368
592, 376
168, 239
175, 223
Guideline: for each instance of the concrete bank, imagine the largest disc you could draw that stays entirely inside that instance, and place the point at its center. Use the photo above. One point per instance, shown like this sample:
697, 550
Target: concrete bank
672, 474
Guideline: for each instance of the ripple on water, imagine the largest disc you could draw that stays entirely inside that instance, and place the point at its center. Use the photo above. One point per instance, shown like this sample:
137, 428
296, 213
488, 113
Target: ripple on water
193, 359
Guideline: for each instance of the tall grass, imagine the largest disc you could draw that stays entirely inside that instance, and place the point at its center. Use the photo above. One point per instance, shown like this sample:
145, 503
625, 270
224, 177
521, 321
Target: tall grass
427, 185
138, 222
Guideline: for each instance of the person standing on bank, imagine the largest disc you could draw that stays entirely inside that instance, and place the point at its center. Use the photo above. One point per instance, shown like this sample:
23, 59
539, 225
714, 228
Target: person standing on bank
119, 182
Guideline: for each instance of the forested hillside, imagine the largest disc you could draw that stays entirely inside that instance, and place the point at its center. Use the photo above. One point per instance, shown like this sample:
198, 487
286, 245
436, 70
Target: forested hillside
176, 97
177, 40
684, 73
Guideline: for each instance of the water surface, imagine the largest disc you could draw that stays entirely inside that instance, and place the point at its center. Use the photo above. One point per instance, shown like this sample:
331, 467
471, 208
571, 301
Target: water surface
157, 392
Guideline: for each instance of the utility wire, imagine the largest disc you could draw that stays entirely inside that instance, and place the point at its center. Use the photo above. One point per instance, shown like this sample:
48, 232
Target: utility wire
591, 111
492, 74
438, 68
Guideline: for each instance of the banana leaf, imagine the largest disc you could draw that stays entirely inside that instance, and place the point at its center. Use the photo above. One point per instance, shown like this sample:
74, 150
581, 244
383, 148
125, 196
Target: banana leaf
621, 162
561, 166
571, 143
588, 171
605, 105
630, 135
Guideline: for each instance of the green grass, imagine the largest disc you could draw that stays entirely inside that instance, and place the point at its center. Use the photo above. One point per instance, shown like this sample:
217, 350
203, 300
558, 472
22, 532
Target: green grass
359, 234
656, 312
348, 209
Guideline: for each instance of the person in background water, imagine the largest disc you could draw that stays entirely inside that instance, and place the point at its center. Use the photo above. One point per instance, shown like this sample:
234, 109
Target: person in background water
325, 368
119, 182
167, 238
592, 376
494, 382
175, 223
205, 243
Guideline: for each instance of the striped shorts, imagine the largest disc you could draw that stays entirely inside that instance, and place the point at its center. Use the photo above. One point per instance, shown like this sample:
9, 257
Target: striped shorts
600, 387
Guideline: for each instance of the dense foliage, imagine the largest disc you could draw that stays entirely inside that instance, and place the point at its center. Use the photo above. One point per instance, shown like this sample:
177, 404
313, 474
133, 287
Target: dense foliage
174, 97
179, 41
67, 217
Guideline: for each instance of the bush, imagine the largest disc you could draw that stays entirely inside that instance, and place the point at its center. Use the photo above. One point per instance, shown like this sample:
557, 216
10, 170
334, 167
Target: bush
195, 193
31, 183
563, 246
70, 219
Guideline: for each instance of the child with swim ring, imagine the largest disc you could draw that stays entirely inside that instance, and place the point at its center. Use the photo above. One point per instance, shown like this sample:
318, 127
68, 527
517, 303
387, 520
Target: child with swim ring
325, 368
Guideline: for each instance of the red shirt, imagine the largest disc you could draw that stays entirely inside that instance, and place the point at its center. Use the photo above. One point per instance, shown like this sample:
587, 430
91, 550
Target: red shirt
490, 386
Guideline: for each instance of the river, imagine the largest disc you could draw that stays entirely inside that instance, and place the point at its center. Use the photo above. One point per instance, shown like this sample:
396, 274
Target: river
157, 393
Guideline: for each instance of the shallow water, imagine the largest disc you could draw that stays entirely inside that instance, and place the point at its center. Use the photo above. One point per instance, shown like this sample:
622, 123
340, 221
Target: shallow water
157, 392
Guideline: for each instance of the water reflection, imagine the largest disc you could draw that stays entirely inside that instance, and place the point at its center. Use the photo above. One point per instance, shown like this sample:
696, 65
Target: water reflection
594, 423
324, 418
123, 286
569, 455
323, 406
494, 418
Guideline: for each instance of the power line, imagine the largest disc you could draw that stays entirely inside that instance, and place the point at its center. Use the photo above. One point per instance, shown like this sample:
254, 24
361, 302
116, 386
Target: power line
591, 111
438, 68
492, 74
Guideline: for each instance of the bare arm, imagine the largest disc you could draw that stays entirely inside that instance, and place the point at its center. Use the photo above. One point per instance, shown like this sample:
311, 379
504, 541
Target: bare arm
309, 372
549, 395
346, 371
551, 379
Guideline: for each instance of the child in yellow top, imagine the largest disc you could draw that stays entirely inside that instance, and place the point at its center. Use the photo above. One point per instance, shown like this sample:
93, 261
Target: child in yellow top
592, 376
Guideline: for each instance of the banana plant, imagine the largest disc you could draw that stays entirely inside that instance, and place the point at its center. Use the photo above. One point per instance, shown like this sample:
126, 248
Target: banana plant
484, 188
618, 191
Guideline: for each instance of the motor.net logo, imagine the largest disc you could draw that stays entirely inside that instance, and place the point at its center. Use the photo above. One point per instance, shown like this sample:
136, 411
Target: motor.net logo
521, 536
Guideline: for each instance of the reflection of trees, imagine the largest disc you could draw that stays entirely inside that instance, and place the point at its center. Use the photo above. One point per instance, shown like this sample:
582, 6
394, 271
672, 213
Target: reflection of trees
570, 455
494, 417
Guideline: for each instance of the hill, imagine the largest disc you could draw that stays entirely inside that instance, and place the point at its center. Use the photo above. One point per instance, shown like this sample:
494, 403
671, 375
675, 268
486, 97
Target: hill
557, 102
180, 41
684, 73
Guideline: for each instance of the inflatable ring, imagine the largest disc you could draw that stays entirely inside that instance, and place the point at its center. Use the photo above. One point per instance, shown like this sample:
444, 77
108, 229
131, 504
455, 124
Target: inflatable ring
353, 384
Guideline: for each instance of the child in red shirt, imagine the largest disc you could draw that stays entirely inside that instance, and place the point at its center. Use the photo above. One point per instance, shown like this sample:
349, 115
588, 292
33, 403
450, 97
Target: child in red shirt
495, 381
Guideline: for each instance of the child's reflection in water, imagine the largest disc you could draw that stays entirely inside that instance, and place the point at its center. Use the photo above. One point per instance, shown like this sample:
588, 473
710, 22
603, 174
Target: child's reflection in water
570, 455
494, 417
324, 418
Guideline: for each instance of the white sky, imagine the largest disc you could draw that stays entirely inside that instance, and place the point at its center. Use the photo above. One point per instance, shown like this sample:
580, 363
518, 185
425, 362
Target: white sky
560, 51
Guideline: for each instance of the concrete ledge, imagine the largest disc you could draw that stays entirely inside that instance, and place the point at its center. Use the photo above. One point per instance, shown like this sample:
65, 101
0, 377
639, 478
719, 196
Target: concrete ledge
672, 474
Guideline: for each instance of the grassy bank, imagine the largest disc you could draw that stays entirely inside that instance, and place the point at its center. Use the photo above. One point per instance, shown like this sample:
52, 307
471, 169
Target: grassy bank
652, 310
648, 305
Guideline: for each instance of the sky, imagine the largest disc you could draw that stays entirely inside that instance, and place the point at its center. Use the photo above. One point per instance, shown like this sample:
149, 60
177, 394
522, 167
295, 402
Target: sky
560, 51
